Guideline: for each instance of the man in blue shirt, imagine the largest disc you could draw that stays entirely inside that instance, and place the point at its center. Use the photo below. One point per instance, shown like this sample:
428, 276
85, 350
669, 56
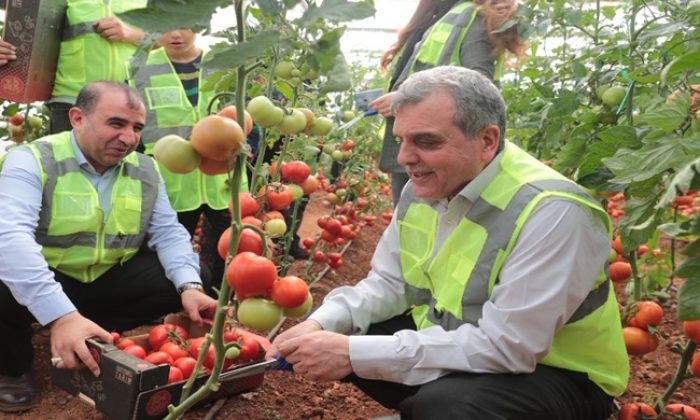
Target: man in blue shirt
88, 240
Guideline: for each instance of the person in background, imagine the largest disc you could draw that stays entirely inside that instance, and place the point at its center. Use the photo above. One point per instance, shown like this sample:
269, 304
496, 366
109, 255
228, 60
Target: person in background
88, 241
94, 46
488, 296
454, 32
169, 80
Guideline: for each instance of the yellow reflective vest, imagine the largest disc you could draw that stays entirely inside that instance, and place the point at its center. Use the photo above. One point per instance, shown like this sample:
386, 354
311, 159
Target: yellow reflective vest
76, 238
168, 111
450, 287
84, 55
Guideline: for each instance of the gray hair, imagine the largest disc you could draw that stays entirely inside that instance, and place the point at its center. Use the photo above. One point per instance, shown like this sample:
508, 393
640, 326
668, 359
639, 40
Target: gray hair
478, 103
91, 93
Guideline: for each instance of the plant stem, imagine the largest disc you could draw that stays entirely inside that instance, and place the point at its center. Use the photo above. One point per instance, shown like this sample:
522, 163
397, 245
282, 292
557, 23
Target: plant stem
679, 376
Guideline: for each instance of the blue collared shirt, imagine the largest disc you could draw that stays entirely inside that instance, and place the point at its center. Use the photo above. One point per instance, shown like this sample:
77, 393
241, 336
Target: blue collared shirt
22, 265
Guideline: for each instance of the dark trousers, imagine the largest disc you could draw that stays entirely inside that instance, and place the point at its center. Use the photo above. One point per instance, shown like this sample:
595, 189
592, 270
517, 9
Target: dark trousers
546, 393
215, 223
58, 117
123, 298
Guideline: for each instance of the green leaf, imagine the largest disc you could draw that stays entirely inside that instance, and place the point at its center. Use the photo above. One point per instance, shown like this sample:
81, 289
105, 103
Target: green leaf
692, 249
285, 90
167, 15
686, 62
225, 55
681, 183
639, 223
689, 293
639, 165
271, 7
665, 117
339, 78
564, 105
11, 110
620, 136
336, 11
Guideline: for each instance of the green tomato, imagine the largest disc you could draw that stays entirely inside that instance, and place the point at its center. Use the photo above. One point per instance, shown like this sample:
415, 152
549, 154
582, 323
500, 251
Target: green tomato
264, 112
347, 116
285, 69
176, 154
328, 148
300, 310
612, 256
259, 314
338, 155
293, 122
297, 191
613, 95
276, 227
341, 192
36, 123
232, 353
322, 126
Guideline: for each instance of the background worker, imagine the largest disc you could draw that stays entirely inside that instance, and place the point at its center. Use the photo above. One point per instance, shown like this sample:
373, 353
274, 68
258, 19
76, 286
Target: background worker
169, 80
454, 32
488, 296
88, 240
94, 46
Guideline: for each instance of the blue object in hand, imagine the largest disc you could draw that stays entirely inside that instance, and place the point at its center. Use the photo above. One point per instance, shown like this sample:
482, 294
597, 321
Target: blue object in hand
283, 364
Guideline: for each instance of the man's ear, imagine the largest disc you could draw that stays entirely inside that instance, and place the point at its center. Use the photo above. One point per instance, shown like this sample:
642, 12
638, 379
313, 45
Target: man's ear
490, 138
76, 117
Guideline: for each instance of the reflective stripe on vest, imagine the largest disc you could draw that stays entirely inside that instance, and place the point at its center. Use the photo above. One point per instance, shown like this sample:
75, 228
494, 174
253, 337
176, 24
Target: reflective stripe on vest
450, 287
81, 243
84, 55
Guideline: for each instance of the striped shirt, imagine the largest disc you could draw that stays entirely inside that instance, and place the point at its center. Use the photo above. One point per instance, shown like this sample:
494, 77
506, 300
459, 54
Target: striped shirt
189, 77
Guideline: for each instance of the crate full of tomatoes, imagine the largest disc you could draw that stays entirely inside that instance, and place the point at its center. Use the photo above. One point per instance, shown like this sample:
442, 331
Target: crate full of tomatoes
141, 375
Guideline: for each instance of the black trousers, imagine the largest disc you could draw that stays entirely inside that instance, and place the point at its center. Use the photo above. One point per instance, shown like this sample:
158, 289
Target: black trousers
124, 297
215, 223
546, 393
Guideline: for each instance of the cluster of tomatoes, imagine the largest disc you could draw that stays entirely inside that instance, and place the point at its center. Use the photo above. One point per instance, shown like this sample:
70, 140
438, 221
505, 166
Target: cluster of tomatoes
688, 205
640, 410
616, 206
171, 344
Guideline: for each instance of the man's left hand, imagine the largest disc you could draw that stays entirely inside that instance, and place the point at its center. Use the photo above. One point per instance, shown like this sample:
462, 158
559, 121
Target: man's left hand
320, 355
198, 304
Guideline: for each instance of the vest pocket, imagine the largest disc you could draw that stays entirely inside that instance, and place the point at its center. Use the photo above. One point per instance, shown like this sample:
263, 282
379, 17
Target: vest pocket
71, 60
163, 97
72, 213
415, 250
449, 293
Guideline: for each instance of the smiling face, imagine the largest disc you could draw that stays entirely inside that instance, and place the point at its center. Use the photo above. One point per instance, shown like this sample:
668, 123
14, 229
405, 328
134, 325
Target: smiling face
179, 45
110, 131
439, 158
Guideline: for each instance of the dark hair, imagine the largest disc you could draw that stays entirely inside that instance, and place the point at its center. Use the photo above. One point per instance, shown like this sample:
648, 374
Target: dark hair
91, 93
478, 103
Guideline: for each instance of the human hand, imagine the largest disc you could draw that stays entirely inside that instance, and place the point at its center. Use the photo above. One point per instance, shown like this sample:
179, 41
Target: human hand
8, 52
113, 29
301, 328
383, 104
68, 335
197, 304
318, 355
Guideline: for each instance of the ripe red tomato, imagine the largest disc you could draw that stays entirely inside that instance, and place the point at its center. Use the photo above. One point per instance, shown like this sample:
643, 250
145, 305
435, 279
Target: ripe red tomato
335, 264
115, 337
334, 226
295, 171
633, 411
186, 366
159, 358
250, 274
17, 119
307, 242
319, 256
278, 196
136, 350
174, 350
175, 375
249, 241
251, 220
162, 333
620, 271
310, 185
692, 330
646, 314
250, 348
124, 343
322, 221
249, 205
695, 365
289, 292
639, 341
688, 412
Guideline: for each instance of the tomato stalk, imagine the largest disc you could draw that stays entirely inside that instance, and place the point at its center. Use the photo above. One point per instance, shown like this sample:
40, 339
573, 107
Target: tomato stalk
680, 375
636, 278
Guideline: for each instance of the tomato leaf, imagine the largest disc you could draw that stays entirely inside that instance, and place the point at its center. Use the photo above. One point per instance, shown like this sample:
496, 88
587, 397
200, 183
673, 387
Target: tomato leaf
686, 178
639, 223
685, 62
667, 118
225, 55
639, 165
689, 292
336, 11
167, 15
